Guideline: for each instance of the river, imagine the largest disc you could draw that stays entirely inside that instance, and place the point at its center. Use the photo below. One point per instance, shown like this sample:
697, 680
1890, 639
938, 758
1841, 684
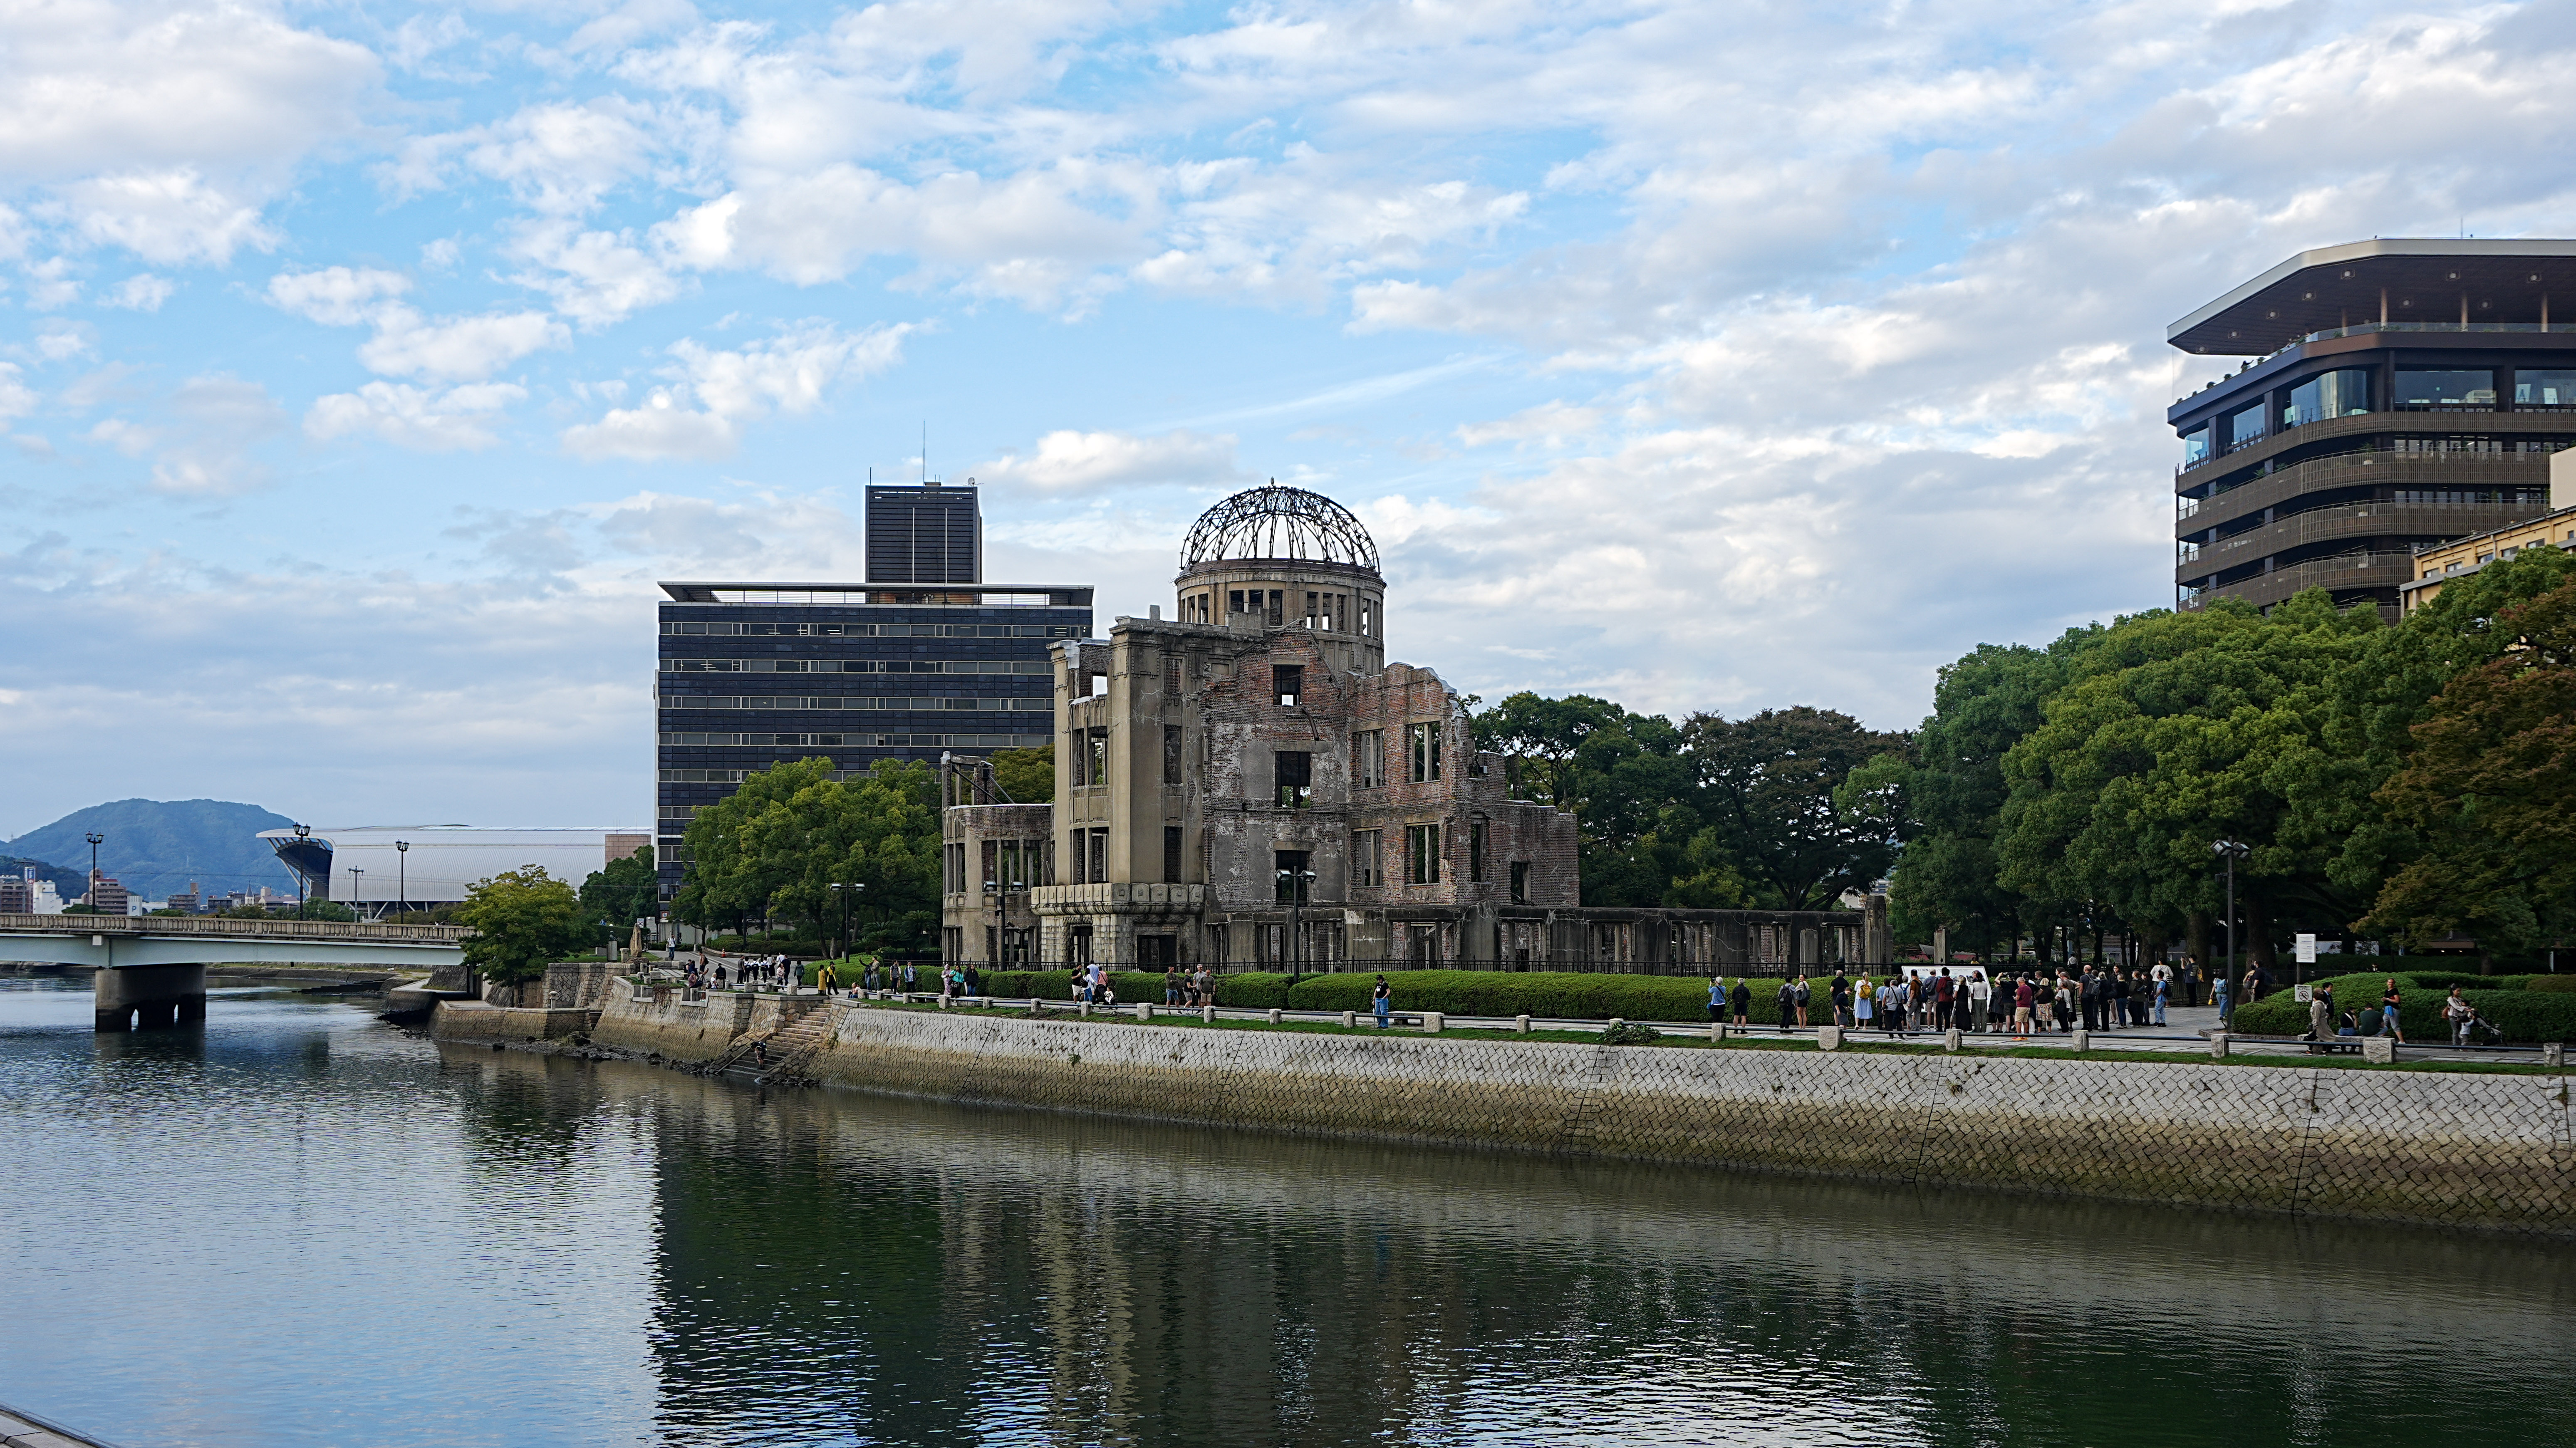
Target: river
302, 1226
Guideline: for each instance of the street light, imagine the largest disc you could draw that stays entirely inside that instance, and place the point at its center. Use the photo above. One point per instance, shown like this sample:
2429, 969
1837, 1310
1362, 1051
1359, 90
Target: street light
95, 840
357, 900
1298, 881
402, 876
302, 833
2231, 851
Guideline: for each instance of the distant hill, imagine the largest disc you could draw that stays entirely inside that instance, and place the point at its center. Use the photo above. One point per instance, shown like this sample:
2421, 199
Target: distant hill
67, 883
154, 847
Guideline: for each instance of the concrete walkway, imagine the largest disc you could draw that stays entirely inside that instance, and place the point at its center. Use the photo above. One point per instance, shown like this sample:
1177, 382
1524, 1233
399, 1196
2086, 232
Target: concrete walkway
2185, 1032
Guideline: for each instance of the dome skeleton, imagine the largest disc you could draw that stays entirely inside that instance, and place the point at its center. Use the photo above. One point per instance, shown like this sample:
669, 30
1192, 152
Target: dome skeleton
1276, 522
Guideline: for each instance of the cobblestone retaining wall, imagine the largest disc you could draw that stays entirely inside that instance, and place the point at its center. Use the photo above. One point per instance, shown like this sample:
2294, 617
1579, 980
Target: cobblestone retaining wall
2488, 1151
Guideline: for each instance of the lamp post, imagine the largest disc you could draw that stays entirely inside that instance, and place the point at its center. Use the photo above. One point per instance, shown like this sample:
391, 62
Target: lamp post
95, 840
1297, 882
302, 833
402, 876
356, 900
2231, 851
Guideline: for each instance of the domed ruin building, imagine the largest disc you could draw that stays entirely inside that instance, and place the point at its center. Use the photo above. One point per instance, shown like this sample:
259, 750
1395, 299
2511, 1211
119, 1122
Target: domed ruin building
1250, 784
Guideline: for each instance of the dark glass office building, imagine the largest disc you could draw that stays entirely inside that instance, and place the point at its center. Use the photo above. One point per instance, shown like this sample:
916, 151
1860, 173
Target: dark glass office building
755, 673
2403, 392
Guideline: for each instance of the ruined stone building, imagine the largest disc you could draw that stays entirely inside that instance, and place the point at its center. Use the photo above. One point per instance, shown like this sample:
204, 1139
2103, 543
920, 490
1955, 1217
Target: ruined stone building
1250, 784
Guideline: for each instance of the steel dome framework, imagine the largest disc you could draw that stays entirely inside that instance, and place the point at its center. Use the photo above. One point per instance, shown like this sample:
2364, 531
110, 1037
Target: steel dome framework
1277, 522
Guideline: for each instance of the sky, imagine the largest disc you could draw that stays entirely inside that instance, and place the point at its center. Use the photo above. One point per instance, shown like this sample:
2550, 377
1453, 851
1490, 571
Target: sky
363, 368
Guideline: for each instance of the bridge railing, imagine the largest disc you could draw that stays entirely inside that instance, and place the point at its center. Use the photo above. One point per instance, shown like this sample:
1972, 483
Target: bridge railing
203, 926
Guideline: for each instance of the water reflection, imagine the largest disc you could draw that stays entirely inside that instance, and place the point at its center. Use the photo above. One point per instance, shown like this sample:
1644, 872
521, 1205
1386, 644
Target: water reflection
622, 1253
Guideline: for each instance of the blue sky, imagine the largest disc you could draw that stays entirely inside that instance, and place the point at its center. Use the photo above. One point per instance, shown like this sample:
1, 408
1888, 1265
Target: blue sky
362, 368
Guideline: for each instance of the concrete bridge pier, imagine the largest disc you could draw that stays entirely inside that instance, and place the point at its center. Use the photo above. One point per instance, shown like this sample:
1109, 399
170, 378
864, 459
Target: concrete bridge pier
150, 997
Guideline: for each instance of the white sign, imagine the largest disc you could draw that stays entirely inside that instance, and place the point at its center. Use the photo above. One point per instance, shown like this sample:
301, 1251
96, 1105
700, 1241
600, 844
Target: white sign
2307, 950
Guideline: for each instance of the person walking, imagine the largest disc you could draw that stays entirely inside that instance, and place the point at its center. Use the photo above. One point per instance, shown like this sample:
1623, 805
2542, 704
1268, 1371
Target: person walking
1741, 999
1716, 999
2388, 1000
1803, 994
1842, 1001
2024, 997
1864, 1005
1382, 1002
2457, 1010
2218, 998
2320, 1011
2164, 988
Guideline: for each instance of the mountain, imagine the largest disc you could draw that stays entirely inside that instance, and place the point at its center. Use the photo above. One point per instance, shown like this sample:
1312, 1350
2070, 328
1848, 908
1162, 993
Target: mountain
153, 846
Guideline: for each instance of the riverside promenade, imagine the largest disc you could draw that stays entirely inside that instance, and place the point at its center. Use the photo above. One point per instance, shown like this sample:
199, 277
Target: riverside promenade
2269, 1133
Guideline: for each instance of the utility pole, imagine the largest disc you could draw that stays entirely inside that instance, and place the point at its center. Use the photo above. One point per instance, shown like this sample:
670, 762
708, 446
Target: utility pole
302, 833
95, 840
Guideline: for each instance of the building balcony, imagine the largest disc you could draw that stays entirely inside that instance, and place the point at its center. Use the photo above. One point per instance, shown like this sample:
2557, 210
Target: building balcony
2393, 470
1117, 899
2341, 574
2326, 525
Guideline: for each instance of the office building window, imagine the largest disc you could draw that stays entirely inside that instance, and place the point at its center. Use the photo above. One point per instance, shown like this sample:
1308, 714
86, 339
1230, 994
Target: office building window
1292, 776
1422, 854
1368, 759
1171, 854
1293, 873
2336, 394
2195, 446
1520, 882
1172, 754
1364, 873
1288, 681
1426, 752
1476, 850
2245, 426
2533, 388
2460, 387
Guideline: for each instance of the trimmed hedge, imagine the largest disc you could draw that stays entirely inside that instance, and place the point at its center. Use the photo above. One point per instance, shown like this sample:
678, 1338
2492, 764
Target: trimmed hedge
1565, 995
2527, 1009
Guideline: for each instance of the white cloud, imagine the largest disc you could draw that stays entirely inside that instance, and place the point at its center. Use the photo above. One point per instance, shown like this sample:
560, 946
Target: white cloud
336, 296
712, 394
172, 216
594, 277
420, 418
457, 348
206, 451
142, 292
17, 399
1067, 461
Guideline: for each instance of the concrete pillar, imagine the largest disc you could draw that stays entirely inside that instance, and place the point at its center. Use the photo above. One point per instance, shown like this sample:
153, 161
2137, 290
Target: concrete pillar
1521, 1024
1829, 1038
2218, 1045
1431, 1022
149, 997
2379, 1050
1275, 1015
2082, 1042
2554, 1055
1951, 1040
1807, 946
1878, 943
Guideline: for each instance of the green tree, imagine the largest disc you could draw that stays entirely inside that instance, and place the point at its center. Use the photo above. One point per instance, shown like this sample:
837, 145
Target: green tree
1622, 776
325, 910
1943, 800
1026, 776
522, 920
2490, 790
780, 843
1769, 784
622, 892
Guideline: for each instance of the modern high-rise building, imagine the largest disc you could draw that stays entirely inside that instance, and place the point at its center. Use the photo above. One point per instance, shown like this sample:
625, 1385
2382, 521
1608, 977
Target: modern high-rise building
2401, 392
926, 534
921, 659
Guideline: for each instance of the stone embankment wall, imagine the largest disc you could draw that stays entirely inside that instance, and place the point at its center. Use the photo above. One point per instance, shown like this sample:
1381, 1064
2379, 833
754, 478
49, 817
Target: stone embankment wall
2486, 1151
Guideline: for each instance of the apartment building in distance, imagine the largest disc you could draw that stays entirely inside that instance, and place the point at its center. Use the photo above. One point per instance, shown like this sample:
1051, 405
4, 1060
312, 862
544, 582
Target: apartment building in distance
2401, 393
920, 658
1252, 785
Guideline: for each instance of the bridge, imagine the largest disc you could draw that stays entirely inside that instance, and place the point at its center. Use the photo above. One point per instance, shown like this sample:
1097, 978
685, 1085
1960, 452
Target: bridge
152, 968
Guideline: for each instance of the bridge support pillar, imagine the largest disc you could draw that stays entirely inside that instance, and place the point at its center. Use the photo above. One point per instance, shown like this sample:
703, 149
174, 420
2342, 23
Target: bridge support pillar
150, 997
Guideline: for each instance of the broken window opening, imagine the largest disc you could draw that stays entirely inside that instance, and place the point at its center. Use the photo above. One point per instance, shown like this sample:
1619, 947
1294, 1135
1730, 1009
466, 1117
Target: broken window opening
1364, 871
1294, 873
1172, 754
1422, 854
1368, 755
1476, 851
1288, 683
1292, 776
1520, 882
1426, 753
1171, 854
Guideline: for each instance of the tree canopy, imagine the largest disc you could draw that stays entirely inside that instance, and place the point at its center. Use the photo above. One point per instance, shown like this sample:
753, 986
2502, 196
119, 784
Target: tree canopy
522, 920
777, 847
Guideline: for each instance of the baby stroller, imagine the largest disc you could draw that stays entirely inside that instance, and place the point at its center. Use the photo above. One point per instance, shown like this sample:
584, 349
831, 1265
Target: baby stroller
2478, 1030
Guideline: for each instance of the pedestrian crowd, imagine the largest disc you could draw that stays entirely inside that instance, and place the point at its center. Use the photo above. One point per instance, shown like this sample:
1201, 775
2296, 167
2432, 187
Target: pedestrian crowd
2100, 997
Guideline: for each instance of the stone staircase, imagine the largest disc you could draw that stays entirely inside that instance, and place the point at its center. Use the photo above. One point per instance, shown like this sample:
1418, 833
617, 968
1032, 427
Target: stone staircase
778, 1056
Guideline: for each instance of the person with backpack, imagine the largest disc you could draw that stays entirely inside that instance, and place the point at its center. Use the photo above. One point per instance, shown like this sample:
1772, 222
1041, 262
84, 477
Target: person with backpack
1788, 1004
1741, 998
1802, 1002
